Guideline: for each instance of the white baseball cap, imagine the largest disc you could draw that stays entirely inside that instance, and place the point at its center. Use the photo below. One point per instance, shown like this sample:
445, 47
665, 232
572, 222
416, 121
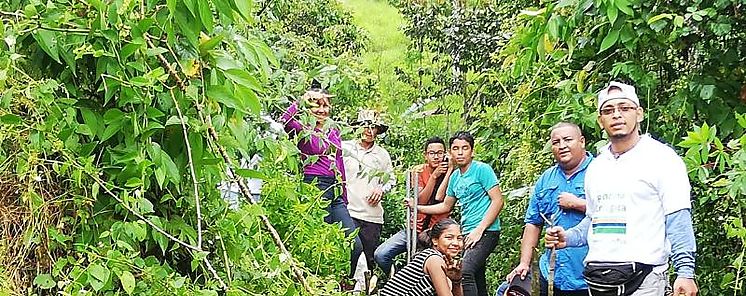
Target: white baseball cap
627, 92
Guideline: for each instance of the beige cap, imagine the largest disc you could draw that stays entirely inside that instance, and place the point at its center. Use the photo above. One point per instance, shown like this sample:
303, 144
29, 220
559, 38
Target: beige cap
627, 92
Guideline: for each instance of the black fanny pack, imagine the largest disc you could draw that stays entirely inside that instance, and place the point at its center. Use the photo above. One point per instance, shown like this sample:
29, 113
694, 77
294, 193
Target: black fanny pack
615, 278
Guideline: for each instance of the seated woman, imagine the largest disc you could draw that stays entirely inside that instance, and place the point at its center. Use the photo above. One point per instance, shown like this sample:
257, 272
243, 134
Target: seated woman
432, 271
327, 171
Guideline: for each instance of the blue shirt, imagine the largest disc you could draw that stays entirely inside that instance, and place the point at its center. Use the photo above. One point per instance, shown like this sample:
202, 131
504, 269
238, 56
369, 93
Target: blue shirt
470, 189
568, 271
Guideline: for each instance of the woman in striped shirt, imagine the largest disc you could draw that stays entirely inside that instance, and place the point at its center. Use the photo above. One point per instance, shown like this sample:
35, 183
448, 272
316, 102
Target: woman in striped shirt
432, 271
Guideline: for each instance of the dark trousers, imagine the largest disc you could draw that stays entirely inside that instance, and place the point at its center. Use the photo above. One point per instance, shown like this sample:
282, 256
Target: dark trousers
544, 285
337, 210
370, 235
475, 263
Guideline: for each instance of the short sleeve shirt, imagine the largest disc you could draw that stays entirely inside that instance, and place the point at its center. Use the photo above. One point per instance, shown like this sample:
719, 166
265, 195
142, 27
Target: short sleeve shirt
629, 197
470, 189
569, 274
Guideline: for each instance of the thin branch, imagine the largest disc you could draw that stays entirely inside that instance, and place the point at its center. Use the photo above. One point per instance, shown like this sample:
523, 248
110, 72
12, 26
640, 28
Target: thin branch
191, 169
207, 120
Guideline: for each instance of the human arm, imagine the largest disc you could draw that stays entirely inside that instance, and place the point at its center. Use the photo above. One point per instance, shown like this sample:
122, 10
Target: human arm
441, 194
496, 205
529, 240
560, 238
292, 125
388, 179
680, 233
436, 267
569, 201
440, 208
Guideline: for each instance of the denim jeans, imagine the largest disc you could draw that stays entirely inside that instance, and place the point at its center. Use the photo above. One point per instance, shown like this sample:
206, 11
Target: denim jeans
475, 262
337, 210
386, 252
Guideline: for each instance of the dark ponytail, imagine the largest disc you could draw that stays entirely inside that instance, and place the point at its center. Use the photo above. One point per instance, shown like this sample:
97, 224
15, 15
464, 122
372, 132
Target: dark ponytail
425, 238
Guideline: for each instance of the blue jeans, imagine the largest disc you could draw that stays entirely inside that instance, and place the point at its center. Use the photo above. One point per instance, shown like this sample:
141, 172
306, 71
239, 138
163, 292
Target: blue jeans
337, 210
386, 252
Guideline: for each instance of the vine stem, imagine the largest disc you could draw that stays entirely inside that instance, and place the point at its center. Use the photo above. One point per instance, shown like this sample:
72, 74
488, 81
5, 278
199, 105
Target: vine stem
191, 169
108, 191
207, 120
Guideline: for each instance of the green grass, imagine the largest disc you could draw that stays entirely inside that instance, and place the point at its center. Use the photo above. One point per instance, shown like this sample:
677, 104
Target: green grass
386, 48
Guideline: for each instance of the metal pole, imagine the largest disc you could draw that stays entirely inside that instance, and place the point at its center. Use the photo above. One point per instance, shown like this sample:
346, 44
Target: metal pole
416, 198
408, 227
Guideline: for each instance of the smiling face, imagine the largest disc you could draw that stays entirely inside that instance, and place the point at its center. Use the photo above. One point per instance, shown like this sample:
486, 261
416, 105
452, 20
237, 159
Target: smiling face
369, 134
320, 108
450, 241
568, 146
434, 154
620, 118
462, 152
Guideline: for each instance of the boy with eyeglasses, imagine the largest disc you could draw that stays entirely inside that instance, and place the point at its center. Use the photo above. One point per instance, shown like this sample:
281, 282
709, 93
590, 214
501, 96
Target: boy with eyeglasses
431, 176
638, 212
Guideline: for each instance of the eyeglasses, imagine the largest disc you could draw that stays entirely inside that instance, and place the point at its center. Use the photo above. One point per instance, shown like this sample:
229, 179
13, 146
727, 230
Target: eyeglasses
433, 153
611, 110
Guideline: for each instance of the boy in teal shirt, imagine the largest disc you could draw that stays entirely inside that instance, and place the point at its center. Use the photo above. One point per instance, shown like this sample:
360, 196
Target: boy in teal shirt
475, 186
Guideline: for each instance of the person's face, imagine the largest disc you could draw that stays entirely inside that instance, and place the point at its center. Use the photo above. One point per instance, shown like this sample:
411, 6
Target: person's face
321, 108
568, 146
450, 241
462, 152
434, 154
620, 117
369, 133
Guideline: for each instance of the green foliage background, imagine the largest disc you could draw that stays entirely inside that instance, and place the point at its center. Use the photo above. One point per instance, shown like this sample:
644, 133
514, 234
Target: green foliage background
106, 108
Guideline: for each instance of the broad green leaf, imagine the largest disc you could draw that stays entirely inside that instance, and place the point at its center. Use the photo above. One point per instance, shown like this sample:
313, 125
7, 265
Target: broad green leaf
609, 40
243, 78
10, 119
128, 281
47, 40
247, 173
624, 6
133, 182
220, 93
171, 169
205, 14
611, 12
44, 281
144, 205
244, 8
249, 99
98, 276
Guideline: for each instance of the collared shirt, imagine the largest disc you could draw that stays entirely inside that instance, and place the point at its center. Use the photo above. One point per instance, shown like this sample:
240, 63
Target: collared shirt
366, 170
569, 261
326, 146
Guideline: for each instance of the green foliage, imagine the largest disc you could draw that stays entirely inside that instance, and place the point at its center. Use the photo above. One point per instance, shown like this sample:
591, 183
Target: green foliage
105, 111
545, 63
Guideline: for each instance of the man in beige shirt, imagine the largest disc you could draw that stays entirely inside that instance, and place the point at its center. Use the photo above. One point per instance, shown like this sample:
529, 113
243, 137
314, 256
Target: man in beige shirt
370, 175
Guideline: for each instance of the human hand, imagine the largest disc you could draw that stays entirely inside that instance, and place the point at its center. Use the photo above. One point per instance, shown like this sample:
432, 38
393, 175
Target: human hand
375, 196
567, 200
684, 287
440, 170
472, 238
453, 269
555, 238
521, 270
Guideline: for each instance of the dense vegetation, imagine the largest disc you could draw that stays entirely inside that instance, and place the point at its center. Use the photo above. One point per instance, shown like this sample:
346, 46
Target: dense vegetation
120, 119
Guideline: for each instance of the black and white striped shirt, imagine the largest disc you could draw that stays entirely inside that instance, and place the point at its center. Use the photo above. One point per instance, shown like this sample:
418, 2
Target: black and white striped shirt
412, 279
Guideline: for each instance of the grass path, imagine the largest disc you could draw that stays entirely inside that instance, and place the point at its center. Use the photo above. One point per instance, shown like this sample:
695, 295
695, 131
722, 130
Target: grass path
386, 48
